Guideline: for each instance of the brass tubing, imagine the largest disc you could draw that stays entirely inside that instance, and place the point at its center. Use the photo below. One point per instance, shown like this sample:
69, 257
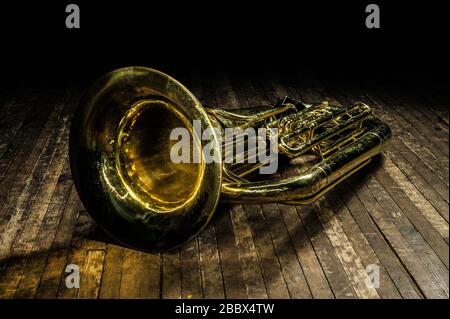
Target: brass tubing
315, 179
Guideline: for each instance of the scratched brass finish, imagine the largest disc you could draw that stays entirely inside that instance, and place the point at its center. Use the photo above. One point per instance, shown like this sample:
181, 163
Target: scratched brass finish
120, 147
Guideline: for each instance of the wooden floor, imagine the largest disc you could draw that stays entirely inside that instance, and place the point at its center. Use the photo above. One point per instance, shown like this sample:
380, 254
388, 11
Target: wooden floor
393, 214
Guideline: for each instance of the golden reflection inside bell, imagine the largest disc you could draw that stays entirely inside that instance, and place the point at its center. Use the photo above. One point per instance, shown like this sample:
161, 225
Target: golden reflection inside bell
143, 156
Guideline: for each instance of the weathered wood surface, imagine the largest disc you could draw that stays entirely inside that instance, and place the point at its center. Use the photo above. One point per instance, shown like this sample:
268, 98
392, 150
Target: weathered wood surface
393, 214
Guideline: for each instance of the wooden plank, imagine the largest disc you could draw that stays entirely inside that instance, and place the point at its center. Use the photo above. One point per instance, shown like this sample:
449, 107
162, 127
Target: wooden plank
430, 185
418, 263
140, 275
354, 242
14, 111
20, 212
436, 138
212, 281
41, 202
233, 279
19, 237
423, 208
421, 168
408, 109
427, 283
437, 101
345, 252
371, 232
23, 178
25, 175
270, 264
422, 101
422, 186
407, 145
171, 280
248, 257
31, 136
411, 235
52, 274
315, 277
407, 207
290, 267
57, 257
415, 140
112, 272
35, 263
191, 275
362, 246
12, 117
92, 275
84, 240
335, 273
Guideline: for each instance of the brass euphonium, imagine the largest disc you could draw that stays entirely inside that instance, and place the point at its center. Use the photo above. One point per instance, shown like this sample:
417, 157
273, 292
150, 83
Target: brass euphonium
120, 155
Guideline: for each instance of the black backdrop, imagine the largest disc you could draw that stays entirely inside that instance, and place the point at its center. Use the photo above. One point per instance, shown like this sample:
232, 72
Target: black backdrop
322, 37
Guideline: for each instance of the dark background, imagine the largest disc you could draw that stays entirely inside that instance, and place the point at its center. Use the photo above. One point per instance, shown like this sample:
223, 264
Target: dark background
327, 38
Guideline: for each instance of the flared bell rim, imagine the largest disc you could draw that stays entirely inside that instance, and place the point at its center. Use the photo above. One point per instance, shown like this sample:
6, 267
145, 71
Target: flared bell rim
101, 206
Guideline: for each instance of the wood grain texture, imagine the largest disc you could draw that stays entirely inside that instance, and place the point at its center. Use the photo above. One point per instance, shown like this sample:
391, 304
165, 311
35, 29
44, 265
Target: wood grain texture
393, 214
